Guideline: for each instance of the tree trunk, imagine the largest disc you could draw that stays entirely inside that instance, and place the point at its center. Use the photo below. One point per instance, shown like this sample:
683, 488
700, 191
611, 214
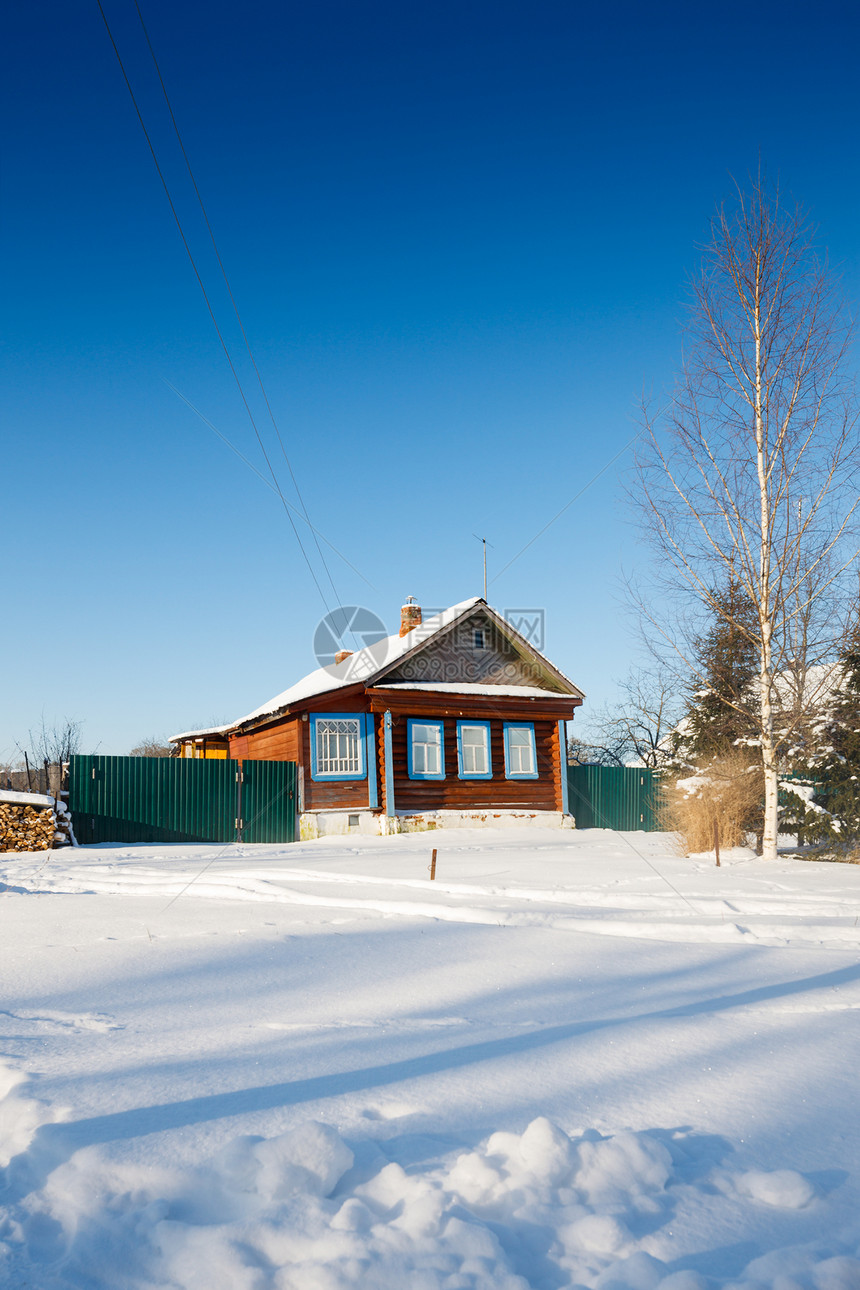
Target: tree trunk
771, 804
768, 752
765, 605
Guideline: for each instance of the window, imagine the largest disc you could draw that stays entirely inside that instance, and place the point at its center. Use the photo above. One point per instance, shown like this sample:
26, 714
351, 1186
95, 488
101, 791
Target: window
520, 759
425, 748
473, 750
479, 638
337, 746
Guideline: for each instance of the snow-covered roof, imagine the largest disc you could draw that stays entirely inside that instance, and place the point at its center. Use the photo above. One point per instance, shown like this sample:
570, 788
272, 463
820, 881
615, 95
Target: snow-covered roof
371, 663
204, 734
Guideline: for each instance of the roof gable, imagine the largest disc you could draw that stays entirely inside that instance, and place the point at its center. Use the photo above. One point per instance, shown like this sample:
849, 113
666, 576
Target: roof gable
478, 648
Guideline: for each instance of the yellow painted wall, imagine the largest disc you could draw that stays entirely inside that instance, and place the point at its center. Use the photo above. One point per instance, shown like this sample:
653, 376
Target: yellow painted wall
195, 751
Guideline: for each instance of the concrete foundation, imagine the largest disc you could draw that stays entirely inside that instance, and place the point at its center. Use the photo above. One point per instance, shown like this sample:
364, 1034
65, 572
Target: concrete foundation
321, 824
326, 824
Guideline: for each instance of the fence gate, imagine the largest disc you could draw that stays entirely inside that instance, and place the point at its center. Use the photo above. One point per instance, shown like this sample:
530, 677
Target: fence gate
613, 797
267, 797
174, 799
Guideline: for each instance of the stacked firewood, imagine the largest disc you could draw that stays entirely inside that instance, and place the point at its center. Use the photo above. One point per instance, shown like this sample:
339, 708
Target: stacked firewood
34, 828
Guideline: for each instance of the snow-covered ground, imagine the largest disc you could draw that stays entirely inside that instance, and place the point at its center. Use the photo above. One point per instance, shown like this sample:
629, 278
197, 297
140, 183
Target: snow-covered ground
575, 1060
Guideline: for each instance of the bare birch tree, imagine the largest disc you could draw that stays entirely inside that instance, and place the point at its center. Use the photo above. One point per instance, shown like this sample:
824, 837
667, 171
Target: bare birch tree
636, 727
752, 470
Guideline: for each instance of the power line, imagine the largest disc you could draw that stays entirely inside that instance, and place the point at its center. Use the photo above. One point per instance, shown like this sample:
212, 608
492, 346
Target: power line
232, 297
229, 443
209, 306
566, 506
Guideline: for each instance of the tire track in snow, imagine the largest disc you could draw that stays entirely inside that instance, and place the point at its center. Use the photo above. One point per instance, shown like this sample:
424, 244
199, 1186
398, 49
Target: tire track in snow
648, 917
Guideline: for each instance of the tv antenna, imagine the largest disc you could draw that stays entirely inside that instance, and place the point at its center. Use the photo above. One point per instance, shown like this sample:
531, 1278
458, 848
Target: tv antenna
485, 544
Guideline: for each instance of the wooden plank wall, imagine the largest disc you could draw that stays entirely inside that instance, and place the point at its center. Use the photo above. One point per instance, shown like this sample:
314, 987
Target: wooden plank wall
455, 794
347, 794
277, 742
287, 738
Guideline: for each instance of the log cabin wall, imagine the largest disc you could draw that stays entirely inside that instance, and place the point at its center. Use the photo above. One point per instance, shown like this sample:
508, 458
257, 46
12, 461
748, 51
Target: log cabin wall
287, 738
276, 742
380, 761
455, 794
343, 794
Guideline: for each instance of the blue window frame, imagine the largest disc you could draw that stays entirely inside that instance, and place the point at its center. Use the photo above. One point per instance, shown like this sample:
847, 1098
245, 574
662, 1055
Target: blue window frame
520, 752
425, 748
474, 757
338, 742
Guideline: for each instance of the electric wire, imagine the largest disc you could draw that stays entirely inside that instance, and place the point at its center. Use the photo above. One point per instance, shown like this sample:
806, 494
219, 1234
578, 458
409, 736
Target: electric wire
257, 372
567, 505
224, 346
268, 483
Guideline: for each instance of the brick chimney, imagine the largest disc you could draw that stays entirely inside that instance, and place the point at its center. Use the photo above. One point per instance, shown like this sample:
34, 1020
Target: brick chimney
342, 654
410, 616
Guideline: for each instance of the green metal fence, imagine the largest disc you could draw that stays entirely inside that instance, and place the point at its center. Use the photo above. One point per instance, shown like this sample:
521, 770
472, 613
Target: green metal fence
171, 799
613, 797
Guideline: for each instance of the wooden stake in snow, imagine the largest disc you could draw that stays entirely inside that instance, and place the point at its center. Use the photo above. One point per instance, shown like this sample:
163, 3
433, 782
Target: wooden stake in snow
717, 841
433, 866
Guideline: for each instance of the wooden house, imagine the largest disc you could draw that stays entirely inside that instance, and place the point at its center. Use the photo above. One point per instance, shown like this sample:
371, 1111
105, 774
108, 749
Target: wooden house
456, 720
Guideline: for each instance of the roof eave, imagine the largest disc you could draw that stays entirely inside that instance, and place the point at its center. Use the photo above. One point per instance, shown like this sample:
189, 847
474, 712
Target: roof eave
297, 707
529, 649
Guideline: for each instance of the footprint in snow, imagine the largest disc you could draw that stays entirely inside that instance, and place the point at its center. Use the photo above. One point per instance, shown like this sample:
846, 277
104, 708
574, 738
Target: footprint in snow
77, 1022
390, 1111
370, 1023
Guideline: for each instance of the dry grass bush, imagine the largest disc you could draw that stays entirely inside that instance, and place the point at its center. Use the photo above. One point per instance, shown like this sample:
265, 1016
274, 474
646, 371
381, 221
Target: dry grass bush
726, 791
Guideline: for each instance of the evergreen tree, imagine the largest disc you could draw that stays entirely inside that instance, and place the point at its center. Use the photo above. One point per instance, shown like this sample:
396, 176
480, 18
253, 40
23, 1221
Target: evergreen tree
837, 769
720, 713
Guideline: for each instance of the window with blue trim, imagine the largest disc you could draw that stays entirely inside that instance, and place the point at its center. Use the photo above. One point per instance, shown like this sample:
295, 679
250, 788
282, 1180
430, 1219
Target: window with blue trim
337, 746
425, 748
473, 750
520, 754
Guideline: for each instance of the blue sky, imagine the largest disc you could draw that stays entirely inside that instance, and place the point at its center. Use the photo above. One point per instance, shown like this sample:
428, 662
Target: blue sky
458, 235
